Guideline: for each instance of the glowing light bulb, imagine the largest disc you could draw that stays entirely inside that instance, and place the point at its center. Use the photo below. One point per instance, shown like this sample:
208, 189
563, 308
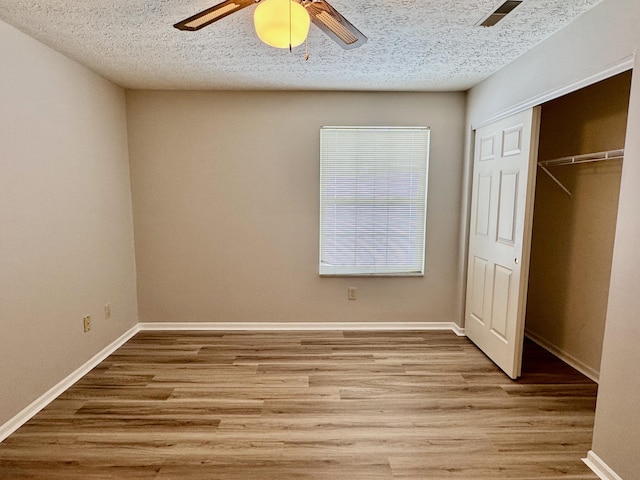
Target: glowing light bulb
281, 23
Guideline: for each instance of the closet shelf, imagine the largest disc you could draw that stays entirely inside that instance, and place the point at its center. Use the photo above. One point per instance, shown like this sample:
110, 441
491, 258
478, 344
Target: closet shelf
585, 158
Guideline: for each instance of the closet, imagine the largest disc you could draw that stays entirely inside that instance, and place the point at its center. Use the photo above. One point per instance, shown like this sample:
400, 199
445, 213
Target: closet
580, 159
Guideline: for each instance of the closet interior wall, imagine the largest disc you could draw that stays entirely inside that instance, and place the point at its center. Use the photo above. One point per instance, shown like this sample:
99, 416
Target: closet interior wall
572, 244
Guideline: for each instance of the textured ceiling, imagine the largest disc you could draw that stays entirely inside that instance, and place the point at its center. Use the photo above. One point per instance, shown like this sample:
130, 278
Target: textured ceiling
414, 45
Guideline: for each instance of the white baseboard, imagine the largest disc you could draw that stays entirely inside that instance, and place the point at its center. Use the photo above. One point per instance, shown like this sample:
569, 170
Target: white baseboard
44, 400
459, 331
27, 413
304, 326
584, 369
601, 469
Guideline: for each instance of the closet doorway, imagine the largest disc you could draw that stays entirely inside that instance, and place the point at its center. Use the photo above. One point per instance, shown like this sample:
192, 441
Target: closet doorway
580, 157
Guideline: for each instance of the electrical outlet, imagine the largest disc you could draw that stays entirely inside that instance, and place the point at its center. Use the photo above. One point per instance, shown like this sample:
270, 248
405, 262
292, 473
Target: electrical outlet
107, 311
87, 323
351, 293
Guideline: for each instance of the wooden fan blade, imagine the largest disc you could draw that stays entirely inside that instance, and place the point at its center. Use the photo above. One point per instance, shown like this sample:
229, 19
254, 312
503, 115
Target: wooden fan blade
334, 25
210, 15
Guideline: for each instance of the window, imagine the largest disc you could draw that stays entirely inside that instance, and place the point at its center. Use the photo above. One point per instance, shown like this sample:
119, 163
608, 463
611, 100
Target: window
373, 200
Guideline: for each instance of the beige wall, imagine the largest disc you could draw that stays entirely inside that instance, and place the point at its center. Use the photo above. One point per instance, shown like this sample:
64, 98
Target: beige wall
597, 40
592, 119
66, 243
225, 190
572, 243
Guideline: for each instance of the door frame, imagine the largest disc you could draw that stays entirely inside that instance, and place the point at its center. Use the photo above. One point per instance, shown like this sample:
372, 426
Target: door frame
623, 65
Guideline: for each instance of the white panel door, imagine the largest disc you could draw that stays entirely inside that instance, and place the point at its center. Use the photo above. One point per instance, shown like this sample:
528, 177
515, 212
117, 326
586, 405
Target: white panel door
504, 169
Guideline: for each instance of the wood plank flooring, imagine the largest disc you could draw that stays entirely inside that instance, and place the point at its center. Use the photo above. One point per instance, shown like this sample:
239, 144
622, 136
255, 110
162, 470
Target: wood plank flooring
310, 405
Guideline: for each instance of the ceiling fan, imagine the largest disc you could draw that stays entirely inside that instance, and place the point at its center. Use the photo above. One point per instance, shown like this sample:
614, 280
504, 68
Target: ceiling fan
323, 15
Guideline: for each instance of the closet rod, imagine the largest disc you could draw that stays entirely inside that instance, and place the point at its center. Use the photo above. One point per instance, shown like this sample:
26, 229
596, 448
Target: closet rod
586, 158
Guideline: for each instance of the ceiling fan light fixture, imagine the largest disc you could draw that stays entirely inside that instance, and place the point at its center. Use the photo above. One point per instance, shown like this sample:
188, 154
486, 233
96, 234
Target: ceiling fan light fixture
281, 23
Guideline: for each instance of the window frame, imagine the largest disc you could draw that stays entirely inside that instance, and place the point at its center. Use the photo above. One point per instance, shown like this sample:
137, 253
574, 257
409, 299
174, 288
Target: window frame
355, 270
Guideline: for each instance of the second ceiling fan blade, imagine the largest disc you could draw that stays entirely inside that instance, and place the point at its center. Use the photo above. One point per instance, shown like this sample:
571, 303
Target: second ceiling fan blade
338, 28
210, 15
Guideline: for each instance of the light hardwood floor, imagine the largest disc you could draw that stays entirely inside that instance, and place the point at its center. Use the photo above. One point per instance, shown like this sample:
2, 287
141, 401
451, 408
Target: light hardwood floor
309, 405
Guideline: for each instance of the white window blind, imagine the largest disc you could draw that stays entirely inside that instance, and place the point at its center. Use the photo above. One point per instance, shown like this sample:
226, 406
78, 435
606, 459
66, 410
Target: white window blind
373, 200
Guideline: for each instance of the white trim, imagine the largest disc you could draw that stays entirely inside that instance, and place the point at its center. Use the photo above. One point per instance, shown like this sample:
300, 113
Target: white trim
27, 413
601, 469
459, 331
620, 66
302, 326
579, 365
